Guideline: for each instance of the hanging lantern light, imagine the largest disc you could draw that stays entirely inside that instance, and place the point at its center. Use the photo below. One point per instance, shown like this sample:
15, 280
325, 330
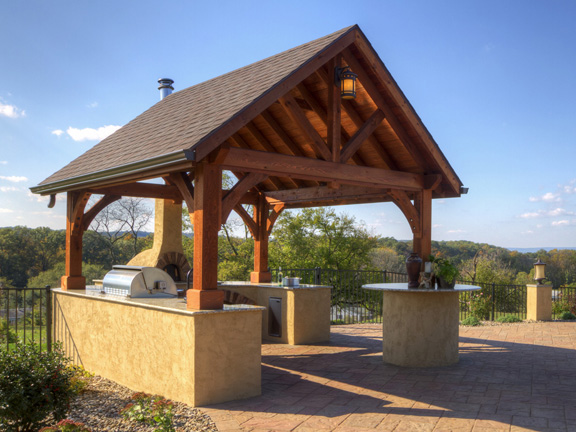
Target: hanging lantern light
539, 271
347, 80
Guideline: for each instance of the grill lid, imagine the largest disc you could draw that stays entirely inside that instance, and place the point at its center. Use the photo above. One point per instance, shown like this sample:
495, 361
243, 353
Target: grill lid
139, 282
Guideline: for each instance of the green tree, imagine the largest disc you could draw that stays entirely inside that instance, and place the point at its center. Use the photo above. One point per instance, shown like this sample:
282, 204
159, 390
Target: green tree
52, 277
320, 238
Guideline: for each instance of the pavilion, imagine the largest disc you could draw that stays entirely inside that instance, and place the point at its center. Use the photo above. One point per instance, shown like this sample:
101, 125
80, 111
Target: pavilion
281, 126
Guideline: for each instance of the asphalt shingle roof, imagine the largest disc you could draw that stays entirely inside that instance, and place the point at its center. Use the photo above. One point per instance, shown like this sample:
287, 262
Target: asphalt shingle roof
180, 121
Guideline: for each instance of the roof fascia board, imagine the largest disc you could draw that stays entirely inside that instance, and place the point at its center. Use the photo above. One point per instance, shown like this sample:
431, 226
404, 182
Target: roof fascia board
205, 146
116, 173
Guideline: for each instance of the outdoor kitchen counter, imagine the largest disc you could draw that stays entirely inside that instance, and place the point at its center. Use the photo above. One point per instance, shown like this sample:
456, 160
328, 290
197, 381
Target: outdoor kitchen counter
171, 304
420, 326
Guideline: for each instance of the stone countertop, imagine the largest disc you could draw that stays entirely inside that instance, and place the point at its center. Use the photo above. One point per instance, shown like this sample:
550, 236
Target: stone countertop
167, 304
403, 287
270, 285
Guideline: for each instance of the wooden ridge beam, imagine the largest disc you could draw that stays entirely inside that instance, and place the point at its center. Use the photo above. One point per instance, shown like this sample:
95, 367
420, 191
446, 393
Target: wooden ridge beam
314, 169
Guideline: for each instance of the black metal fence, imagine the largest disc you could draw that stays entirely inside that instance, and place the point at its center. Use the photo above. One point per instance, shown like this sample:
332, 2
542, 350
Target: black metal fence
563, 300
352, 304
25, 316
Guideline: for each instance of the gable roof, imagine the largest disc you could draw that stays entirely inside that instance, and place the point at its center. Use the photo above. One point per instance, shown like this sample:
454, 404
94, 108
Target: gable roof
248, 108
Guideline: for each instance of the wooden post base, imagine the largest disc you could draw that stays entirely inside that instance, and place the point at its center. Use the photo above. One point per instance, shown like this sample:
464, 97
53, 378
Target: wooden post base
260, 277
204, 299
73, 282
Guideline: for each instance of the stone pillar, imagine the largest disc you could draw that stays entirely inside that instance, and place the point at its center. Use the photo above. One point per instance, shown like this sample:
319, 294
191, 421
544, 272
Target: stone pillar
539, 302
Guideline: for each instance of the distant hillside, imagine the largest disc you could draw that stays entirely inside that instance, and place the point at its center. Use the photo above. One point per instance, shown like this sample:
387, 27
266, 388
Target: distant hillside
533, 250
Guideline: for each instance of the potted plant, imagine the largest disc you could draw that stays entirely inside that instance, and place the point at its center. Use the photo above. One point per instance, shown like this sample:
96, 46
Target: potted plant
445, 271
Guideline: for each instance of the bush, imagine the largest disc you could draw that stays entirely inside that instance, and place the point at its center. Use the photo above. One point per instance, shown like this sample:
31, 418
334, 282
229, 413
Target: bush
153, 410
508, 319
67, 426
80, 378
6, 332
480, 305
33, 386
568, 316
471, 321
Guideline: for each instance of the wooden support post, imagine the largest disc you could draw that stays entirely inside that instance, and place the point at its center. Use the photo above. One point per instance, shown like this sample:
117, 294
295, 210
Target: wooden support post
261, 273
423, 240
207, 202
76, 203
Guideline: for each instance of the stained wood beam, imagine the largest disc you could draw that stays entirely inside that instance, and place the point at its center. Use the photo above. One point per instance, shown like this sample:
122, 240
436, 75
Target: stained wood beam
247, 219
323, 115
235, 195
299, 118
184, 185
100, 205
379, 100
345, 194
276, 210
314, 169
334, 113
410, 212
140, 190
361, 135
275, 126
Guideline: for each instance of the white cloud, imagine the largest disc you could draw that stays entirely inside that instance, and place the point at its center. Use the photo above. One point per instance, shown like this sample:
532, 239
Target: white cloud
8, 189
11, 111
3, 162
57, 132
92, 105
547, 213
44, 198
561, 223
13, 179
3, 210
547, 197
90, 134
457, 231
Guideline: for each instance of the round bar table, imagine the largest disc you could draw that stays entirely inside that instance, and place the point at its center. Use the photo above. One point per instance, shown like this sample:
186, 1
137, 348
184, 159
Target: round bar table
420, 326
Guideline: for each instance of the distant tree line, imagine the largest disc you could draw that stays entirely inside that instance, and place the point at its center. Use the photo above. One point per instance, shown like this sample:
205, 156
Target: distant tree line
300, 239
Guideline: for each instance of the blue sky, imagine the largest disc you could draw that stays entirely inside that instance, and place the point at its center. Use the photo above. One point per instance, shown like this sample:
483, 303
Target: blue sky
493, 81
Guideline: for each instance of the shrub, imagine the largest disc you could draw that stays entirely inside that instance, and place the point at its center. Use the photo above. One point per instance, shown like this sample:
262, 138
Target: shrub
34, 385
153, 410
508, 319
80, 378
67, 426
480, 305
568, 316
566, 302
471, 321
7, 334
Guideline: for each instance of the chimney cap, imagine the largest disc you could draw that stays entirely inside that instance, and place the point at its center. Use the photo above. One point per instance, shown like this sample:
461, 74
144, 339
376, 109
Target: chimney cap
165, 83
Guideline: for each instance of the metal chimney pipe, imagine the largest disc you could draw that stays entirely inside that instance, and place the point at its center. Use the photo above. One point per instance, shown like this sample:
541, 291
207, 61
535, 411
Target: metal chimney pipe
165, 87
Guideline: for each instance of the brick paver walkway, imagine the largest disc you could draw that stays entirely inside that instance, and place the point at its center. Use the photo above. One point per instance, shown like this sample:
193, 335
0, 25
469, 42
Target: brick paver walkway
513, 377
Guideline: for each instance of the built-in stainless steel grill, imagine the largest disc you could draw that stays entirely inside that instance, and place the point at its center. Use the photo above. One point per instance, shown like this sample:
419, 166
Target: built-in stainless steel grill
138, 282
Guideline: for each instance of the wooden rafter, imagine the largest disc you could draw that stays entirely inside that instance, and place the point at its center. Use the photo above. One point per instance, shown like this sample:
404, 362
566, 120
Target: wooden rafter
299, 118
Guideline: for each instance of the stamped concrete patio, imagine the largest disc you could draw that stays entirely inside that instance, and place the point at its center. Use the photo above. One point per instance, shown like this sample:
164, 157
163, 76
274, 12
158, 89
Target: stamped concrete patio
516, 377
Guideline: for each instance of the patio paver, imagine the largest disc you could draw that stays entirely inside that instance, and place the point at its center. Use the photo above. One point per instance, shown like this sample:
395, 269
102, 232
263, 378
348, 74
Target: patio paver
511, 377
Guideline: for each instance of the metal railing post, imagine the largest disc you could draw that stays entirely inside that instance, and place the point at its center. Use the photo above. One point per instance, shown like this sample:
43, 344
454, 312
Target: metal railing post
493, 299
317, 276
48, 318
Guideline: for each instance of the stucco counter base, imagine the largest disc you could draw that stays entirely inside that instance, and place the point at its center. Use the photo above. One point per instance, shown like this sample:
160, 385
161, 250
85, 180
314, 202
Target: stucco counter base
420, 327
159, 347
